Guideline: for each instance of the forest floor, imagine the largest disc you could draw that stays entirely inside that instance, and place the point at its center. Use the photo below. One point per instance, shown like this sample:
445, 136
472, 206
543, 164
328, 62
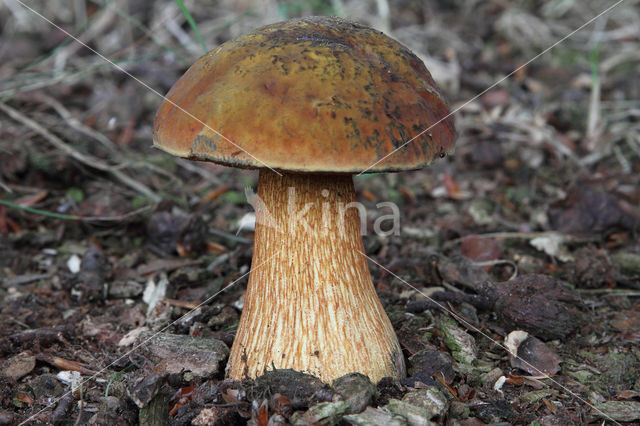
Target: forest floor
513, 282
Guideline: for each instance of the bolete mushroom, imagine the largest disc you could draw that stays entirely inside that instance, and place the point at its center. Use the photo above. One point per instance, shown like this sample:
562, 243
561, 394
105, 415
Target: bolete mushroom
309, 102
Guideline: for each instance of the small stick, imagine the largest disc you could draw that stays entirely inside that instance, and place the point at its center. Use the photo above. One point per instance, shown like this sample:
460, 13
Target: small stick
518, 235
5, 187
193, 168
68, 78
24, 279
88, 160
74, 123
80, 127
230, 237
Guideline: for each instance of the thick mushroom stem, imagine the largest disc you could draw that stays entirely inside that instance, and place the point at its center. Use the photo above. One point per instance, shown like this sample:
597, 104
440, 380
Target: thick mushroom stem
310, 303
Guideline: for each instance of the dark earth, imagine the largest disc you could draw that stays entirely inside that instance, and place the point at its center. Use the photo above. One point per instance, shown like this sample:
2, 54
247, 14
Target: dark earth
513, 282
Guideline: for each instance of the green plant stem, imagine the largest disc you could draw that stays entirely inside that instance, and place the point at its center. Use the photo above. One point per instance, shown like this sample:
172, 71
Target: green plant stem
75, 217
192, 23
40, 212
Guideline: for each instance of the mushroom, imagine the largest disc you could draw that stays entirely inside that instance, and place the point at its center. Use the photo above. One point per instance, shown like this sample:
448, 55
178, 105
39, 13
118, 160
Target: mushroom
309, 102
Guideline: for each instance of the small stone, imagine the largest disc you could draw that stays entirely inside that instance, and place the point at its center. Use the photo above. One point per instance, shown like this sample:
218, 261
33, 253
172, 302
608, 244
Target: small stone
430, 363
145, 389
74, 264
430, 399
375, 417
356, 389
227, 317
462, 345
415, 416
124, 290
174, 354
459, 410
535, 357
299, 387
325, 413
386, 389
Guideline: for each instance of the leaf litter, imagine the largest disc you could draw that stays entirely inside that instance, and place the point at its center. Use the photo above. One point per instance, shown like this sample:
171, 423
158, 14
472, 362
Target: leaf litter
531, 227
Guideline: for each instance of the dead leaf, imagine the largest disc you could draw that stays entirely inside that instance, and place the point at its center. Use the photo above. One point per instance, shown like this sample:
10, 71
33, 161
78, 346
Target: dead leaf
212, 195
533, 356
453, 190
19, 365
480, 249
31, 200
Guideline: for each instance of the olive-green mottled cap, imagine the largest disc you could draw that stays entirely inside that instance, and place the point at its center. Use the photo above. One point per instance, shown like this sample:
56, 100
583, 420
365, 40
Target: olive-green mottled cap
317, 94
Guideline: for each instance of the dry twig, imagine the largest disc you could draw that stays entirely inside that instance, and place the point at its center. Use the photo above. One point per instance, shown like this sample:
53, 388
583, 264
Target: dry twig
88, 160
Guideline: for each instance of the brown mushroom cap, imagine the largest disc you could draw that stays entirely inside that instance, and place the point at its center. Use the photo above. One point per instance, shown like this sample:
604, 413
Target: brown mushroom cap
318, 94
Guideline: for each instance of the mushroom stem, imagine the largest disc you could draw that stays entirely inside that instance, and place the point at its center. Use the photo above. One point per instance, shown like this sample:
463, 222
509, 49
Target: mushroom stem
310, 303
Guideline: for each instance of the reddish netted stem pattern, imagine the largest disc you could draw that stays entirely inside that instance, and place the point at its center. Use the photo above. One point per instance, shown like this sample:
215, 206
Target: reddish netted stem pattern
310, 303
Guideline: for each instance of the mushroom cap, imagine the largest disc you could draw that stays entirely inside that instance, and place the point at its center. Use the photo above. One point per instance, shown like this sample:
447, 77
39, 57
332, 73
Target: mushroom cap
317, 94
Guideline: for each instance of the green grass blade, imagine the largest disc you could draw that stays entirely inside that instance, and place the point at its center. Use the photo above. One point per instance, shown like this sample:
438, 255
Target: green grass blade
192, 23
38, 211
